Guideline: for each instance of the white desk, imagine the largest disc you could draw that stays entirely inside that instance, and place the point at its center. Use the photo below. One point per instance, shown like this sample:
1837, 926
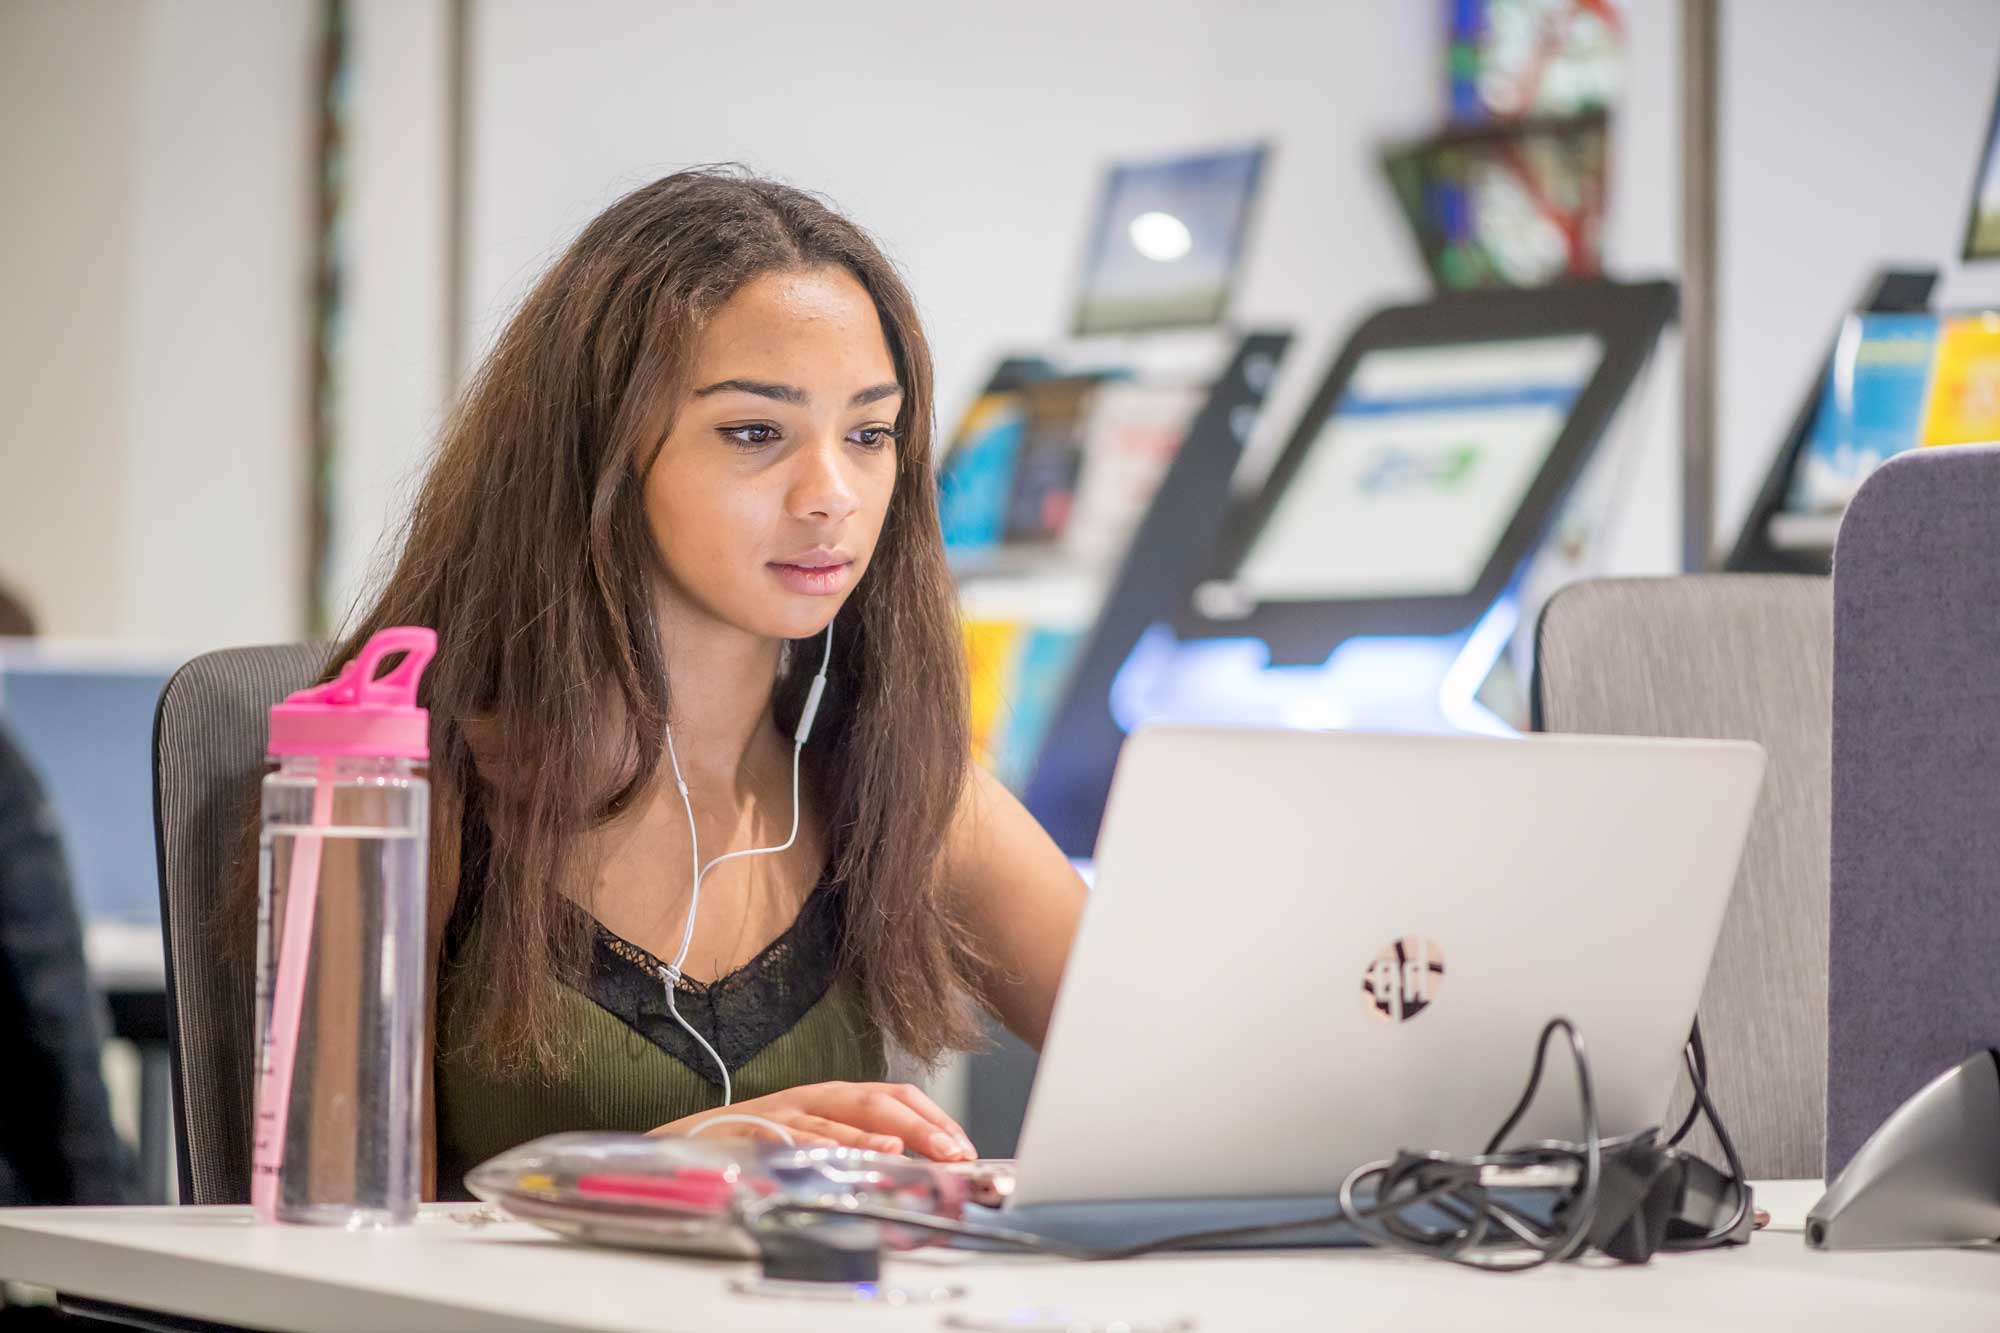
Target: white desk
449, 1272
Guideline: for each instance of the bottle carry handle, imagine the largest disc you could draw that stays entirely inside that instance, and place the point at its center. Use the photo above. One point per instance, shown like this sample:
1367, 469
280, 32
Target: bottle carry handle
418, 646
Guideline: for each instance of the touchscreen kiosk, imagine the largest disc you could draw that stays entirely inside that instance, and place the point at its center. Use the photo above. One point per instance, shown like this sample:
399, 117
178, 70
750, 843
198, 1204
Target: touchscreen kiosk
1416, 472
1368, 583
1427, 468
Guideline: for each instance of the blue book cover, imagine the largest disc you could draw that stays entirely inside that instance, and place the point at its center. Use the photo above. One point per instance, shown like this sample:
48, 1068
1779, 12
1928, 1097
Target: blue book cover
979, 476
1871, 407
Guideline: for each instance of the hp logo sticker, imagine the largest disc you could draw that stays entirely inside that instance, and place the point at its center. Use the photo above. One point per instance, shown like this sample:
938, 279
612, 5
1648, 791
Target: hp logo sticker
1403, 979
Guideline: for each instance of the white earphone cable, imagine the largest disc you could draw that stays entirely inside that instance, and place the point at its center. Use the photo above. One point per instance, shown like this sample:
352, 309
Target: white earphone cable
670, 974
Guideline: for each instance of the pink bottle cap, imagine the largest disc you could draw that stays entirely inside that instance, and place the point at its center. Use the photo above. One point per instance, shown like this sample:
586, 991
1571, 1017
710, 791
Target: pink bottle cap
355, 715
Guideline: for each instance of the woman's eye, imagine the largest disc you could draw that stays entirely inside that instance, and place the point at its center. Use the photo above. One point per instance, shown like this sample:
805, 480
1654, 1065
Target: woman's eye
874, 437
758, 434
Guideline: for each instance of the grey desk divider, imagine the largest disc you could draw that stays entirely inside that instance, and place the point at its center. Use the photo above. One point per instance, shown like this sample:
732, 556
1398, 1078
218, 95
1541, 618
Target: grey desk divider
1914, 925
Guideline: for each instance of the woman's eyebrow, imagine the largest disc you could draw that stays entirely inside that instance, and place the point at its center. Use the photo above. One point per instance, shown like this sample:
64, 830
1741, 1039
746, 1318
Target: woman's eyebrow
783, 393
797, 397
875, 395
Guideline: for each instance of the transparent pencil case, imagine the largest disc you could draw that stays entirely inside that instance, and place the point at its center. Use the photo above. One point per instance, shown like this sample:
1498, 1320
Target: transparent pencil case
704, 1196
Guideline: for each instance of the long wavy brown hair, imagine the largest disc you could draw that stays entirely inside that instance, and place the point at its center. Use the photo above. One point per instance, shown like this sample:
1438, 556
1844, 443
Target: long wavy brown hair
528, 551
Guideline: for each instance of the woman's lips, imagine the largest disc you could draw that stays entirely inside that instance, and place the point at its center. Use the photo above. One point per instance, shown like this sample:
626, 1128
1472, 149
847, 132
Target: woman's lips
814, 580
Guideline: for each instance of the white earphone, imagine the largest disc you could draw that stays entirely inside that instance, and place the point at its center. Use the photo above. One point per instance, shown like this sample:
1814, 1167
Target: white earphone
670, 974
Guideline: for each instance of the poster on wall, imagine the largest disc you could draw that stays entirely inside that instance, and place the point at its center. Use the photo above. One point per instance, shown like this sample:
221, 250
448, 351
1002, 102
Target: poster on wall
1168, 241
1514, 58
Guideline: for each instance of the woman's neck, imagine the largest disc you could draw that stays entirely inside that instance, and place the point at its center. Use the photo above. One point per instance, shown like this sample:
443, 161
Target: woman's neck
719, 681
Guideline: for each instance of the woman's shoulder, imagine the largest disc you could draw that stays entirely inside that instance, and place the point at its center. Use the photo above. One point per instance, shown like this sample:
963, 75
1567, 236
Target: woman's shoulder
986, 811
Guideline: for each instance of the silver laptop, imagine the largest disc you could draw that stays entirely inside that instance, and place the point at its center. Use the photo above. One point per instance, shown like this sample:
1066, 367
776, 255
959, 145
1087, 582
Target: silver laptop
1305, 950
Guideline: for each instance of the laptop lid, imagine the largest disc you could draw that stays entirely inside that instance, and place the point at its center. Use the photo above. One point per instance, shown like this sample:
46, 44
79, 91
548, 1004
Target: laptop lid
1306, 950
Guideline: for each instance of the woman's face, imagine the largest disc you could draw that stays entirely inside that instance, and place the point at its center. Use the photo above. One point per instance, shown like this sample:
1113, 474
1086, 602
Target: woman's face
768, 495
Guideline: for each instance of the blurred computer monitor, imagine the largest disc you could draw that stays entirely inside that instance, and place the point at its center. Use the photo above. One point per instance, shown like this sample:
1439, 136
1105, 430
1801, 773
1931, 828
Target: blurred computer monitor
1427, 469
1168, 242
85, 722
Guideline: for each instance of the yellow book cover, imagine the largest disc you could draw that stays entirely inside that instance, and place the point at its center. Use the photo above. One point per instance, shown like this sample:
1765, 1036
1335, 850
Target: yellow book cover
991, 649
1964, 406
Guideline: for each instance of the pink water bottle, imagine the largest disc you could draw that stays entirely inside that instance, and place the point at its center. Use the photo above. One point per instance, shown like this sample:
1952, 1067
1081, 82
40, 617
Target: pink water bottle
340, 945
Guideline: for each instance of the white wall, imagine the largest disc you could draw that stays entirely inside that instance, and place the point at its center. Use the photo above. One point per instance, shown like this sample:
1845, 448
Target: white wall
395, 382
1642, 240
217, 324
68, 155
152, 349
970, 138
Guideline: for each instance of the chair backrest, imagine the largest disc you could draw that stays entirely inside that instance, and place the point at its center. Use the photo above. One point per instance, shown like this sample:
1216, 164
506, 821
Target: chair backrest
208, 753
1741, 657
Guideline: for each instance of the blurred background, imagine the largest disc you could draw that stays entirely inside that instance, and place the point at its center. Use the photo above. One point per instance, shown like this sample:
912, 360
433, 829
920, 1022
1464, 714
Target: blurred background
1717, 257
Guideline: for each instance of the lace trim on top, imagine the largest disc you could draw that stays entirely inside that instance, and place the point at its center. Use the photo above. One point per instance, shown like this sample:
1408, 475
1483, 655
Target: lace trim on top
739, 1014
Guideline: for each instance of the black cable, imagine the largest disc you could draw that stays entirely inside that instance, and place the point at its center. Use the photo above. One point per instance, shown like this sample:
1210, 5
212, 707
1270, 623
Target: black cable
1697, 1059
1453, 1188
1450, 1185
1461, 1194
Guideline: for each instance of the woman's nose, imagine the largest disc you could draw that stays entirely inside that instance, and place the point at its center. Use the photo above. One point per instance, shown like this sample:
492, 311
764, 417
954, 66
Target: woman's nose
822, 488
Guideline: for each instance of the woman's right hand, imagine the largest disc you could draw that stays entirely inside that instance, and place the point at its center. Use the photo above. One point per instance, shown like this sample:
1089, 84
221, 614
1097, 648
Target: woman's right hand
880, 1117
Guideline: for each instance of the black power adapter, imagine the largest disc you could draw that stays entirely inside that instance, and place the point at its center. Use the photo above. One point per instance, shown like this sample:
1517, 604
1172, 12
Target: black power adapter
1636, 1200
1713, 1210
794, 1247
1655, 1199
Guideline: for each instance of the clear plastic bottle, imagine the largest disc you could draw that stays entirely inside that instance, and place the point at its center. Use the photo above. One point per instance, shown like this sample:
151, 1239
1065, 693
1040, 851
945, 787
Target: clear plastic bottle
340, 964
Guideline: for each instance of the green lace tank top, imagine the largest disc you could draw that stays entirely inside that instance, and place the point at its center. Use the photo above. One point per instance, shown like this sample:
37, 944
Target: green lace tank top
783, 1019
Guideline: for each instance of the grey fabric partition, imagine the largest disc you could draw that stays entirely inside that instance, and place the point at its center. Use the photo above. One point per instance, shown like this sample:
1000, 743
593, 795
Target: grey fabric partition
1915, 949
208, 753
1744, 657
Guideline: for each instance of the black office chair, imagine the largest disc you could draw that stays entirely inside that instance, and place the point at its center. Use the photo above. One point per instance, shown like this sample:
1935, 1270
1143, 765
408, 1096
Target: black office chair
208, 753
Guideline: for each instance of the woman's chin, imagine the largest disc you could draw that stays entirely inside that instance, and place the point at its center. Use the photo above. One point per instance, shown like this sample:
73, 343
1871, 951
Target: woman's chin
799, 621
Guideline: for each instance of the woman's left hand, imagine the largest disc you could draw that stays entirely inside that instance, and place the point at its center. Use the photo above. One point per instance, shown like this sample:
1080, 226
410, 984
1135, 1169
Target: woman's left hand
881, 1117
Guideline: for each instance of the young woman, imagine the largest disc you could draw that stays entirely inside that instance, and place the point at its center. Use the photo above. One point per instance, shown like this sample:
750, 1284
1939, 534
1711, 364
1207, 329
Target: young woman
694, 473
